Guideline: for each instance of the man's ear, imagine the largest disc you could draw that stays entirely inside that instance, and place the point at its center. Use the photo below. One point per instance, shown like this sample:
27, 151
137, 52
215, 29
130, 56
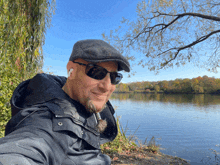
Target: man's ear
71, 67
70, 71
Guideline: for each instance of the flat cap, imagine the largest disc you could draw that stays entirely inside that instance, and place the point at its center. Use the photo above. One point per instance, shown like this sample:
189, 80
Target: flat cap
93, 50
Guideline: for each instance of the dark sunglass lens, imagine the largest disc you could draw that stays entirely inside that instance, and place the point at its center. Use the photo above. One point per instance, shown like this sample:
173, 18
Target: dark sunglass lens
96, 72
115, 77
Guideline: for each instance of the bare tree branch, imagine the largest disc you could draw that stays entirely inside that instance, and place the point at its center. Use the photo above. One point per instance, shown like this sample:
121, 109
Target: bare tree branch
209, 17
187, 46
160, 32
183, 6
173, 21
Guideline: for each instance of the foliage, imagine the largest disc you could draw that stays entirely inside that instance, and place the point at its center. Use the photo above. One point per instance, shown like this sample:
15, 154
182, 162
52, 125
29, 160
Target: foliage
23, 26
152, 146
122, 88
157, 88
197, 85
171, 33
121, 142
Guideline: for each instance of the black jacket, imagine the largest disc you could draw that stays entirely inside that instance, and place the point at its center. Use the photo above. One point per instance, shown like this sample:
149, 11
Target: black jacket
50, 128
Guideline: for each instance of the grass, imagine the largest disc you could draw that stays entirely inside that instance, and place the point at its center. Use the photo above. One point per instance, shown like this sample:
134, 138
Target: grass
123, 144
208, 160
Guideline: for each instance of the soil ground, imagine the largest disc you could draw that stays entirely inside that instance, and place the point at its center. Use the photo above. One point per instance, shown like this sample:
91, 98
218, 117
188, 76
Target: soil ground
146, 158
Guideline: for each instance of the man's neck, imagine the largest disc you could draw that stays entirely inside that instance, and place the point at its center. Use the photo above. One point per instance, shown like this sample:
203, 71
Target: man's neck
66, 89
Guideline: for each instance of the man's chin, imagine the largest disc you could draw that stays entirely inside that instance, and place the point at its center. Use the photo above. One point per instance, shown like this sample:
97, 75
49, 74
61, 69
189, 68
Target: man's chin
94, 106
99, 106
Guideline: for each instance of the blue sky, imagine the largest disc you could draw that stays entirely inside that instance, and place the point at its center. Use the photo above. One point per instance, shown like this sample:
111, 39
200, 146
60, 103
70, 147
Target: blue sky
86, 19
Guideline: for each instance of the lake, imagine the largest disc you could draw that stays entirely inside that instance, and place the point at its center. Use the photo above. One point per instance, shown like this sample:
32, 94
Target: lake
184, 125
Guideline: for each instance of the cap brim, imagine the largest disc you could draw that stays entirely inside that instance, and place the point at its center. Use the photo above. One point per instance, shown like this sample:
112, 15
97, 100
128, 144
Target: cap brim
121, 64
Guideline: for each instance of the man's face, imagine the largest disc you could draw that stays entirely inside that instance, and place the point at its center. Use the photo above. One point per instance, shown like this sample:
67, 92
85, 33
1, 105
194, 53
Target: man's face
87, 90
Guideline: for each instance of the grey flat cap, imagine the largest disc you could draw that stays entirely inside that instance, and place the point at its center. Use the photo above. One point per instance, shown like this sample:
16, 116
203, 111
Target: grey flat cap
98, 51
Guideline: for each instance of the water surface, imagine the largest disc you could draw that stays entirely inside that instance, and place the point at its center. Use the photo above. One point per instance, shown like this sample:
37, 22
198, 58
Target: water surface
186, 126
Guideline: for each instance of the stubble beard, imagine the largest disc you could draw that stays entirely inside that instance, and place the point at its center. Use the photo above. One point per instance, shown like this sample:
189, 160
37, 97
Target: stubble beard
90, 107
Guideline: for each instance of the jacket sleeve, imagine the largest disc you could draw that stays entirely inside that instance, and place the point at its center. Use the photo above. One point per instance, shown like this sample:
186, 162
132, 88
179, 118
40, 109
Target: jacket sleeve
15, 159
21, 151
27, 143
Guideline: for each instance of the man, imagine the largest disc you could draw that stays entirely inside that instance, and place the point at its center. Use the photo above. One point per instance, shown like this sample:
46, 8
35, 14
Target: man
59, 121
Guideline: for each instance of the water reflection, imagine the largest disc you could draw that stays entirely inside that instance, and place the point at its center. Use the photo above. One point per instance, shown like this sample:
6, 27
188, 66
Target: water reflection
200, 100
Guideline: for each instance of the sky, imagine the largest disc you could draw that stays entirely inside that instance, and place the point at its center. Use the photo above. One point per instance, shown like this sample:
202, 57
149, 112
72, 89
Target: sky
86, 19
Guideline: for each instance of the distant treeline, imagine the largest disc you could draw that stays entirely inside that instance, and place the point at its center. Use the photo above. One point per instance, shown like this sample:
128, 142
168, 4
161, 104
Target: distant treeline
203, 84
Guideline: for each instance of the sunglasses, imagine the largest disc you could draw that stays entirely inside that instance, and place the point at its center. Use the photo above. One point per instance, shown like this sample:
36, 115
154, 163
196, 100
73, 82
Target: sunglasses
97, 72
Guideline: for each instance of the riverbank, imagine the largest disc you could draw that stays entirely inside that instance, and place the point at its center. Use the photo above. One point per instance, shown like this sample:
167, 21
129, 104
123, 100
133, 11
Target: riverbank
145, 157
125, 150
162, 92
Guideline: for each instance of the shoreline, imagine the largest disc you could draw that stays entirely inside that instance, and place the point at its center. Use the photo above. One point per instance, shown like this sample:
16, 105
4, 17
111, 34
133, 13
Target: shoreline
160, 92
125, 150
146, 157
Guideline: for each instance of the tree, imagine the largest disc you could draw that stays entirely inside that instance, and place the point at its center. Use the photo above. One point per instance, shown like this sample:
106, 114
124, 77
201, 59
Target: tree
186, 86
217, 81
194, 82
196, 89
164, 85
210, 85
132, 86
146, 85
157, 88
23, 25
122, 88
171, 33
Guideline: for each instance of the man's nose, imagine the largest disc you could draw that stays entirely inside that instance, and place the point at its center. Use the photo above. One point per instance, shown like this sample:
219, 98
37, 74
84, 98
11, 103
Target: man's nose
105, 83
